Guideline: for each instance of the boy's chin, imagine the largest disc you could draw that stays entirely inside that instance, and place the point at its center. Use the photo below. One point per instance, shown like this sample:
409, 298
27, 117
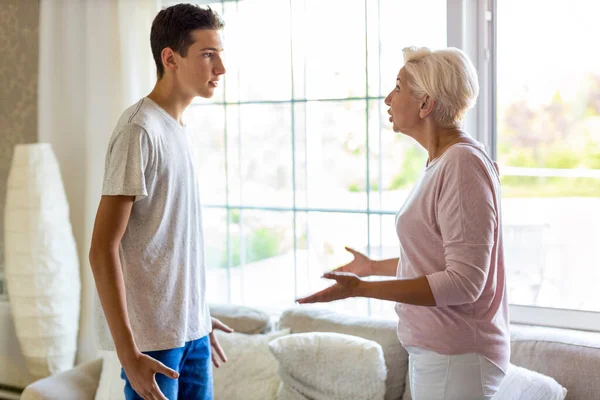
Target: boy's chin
206, 94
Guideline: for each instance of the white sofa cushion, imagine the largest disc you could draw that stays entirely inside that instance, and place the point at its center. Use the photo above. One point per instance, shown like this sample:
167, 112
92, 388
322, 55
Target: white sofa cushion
308, 319
79, 383
251, 370
111, 386
523, 384
569, 356
329, 366
241, 319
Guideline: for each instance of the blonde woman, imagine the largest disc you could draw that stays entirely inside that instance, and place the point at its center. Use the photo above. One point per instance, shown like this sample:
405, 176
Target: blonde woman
450, 289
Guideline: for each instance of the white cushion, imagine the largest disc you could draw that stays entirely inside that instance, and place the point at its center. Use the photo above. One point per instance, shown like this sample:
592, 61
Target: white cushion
289, 393
241, 319
304, 319
251, 370
111, 386
523, 384
329, 366
79, 383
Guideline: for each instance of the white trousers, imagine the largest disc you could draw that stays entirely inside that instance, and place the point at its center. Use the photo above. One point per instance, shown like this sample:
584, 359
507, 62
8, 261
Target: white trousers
435, 376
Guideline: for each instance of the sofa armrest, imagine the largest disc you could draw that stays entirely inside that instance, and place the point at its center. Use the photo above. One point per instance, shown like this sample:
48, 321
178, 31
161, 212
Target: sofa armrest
79, 383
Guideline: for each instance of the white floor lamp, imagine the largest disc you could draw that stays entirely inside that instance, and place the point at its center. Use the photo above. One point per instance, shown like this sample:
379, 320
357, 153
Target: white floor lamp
42, 267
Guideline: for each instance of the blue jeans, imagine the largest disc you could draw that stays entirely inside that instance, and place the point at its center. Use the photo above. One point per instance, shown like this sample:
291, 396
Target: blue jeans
192, 362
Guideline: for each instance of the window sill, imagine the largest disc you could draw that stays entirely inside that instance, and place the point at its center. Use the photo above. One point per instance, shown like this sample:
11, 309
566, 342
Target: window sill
555, 317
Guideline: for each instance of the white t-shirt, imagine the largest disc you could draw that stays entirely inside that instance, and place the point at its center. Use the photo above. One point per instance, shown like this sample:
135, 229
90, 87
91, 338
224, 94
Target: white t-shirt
162, 252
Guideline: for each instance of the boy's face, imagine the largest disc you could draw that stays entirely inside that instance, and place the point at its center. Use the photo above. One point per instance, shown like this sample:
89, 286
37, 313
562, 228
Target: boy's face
199, 71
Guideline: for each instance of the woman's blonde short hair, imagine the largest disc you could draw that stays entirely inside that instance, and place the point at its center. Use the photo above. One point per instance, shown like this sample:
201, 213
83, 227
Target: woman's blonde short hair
447, 76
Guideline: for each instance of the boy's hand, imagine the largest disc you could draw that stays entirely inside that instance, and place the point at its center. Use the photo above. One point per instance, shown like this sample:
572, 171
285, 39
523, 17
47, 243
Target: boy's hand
140, 370
216, 347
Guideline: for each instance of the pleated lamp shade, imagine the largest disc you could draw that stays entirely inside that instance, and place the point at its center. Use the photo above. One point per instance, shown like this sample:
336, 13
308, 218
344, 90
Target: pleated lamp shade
42, 266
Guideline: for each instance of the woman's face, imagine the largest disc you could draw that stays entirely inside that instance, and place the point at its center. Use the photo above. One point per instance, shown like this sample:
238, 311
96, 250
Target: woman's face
404, 107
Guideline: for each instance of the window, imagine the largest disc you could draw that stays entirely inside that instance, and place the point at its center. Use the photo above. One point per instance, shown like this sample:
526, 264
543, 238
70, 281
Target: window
303, 161
548, 146
296, 154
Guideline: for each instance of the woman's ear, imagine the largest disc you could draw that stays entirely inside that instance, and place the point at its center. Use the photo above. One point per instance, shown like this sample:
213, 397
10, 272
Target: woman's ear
427, 105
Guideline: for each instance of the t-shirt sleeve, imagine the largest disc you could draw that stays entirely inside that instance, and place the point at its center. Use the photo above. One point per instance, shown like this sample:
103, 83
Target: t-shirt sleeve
466, 212
127, 160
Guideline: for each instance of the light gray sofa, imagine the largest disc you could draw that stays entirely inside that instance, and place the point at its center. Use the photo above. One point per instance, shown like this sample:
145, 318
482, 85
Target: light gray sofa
572, 358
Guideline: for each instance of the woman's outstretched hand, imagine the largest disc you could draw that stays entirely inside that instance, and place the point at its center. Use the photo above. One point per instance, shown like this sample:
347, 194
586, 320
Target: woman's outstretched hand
347, 285
361, 265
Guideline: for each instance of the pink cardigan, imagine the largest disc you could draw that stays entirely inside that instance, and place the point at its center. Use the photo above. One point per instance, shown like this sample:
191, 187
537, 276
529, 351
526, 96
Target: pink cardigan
450, 230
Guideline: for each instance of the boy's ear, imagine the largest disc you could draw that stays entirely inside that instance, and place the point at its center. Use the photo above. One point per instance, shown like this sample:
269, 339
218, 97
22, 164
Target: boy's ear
168, 58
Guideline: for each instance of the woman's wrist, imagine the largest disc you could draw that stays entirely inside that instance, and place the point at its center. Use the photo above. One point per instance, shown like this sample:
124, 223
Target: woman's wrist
372, 267
362, 289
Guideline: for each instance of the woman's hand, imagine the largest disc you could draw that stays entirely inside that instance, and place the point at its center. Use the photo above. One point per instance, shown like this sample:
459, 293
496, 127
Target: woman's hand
347, 285
361, 265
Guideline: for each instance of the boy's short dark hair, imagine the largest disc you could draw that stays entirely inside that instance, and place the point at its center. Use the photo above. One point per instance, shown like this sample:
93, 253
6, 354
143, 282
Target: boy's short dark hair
172, 28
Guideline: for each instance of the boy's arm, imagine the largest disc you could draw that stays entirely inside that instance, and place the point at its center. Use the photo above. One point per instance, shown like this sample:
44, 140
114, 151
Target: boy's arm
109, 227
